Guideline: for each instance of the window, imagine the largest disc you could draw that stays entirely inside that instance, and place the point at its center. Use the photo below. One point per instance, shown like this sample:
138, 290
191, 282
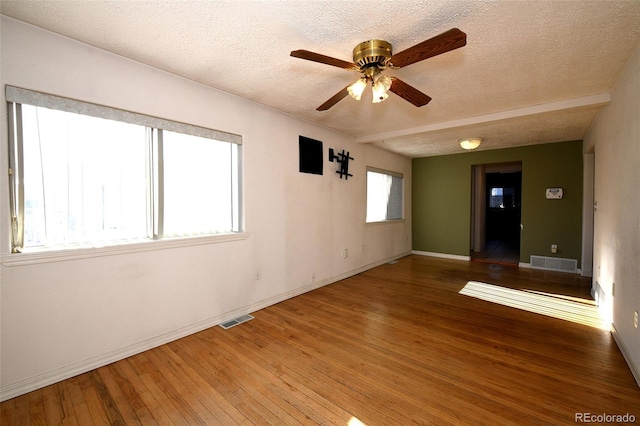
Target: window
500, 198
86, 175
384, 195
191, 209
84, 178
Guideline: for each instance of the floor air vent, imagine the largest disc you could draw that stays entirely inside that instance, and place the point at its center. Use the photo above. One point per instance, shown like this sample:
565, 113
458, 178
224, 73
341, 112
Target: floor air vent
554, 264
236, 321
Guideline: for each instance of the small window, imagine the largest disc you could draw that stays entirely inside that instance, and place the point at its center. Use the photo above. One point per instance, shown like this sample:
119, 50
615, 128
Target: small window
501, 198
384, 196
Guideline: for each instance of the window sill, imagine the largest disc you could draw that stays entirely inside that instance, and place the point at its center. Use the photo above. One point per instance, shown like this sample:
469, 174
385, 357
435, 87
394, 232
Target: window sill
385, 222
57, 255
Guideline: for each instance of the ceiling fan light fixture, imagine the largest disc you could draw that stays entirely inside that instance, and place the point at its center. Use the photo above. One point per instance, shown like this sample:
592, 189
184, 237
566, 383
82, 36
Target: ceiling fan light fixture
470, 143
379, 93
355, 89
382, 80
381, 85
373, 56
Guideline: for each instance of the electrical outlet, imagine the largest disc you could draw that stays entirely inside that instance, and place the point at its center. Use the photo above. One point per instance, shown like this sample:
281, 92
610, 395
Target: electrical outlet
554, 248
345, 253
258, 274
635, 319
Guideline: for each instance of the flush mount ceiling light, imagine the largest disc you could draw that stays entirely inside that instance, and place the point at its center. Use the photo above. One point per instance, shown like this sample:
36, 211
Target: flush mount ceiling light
372, 57
470, 143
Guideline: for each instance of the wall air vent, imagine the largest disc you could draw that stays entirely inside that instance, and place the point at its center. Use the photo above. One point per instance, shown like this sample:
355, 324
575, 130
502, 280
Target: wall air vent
236, 321
554, 264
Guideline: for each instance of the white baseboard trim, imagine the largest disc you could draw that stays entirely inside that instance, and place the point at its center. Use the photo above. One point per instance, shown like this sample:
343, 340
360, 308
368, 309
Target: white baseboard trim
441, 255
467, 258
625, 354
12, 390
24, 386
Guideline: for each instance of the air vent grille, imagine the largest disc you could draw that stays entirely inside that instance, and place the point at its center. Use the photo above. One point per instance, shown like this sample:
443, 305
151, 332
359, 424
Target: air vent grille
554, 264
236, 321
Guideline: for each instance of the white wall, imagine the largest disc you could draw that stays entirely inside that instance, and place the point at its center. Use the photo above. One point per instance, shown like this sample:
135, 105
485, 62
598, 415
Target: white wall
62, 317
588, 166
614, 138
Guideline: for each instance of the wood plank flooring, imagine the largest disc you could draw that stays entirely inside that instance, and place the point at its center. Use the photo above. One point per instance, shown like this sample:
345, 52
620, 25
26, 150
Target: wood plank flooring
497, 251
395, 345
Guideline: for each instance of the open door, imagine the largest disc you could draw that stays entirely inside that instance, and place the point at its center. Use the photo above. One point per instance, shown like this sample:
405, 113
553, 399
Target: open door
496, 213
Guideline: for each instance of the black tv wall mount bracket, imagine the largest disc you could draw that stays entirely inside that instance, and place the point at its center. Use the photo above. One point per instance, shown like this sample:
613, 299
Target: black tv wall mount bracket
343, 160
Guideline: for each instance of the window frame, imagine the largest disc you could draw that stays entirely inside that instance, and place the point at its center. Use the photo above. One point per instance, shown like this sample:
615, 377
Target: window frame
402, 189
16, 97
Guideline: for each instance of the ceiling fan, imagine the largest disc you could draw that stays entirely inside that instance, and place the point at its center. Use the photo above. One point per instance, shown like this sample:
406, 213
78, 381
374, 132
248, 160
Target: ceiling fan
372, 57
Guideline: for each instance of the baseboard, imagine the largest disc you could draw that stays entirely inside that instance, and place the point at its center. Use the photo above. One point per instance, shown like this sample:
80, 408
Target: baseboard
441, 255
625, 354
27, 385
467, 258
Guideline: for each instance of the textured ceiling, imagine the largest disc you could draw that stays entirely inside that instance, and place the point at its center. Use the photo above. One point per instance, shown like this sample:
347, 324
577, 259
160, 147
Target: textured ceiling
531, 72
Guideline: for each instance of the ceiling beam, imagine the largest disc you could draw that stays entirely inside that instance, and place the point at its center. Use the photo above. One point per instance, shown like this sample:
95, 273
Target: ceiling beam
601, 99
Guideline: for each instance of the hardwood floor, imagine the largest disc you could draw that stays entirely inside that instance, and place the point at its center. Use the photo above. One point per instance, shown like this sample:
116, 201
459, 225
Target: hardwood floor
497, 251
395, 345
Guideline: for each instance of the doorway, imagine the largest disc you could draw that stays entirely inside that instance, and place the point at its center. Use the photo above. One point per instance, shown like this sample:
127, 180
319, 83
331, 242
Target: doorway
496, 213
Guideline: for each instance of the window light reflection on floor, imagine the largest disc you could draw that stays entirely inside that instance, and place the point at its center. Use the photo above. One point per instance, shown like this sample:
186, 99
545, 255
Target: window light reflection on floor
354, 421
567, 308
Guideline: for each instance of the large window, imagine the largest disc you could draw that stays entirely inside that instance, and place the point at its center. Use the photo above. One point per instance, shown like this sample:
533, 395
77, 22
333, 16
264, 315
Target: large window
384, 195
86, 175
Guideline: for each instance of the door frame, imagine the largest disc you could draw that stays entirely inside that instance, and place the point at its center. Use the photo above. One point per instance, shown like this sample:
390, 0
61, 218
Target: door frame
479, 173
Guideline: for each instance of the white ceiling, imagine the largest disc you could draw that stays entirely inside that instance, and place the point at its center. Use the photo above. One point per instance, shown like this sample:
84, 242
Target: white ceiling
531, 72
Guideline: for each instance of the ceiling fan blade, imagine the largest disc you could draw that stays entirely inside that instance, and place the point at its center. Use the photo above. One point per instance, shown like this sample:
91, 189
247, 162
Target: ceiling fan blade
333, 100
323, 59
408, 93
449, 40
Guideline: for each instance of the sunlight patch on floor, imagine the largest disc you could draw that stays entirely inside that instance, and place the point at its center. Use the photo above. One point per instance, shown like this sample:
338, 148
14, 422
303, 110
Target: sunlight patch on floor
354, 421
567, 308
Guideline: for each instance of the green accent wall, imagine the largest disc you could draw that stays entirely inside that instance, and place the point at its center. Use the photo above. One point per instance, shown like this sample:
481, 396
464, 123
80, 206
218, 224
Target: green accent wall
441, 199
